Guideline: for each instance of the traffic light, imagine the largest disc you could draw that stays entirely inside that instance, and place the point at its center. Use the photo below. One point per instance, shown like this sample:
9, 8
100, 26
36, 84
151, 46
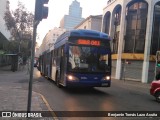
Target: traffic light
158, 58
41, 11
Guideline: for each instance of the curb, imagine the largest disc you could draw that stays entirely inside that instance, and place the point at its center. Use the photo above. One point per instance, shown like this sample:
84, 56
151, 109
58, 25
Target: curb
48, 106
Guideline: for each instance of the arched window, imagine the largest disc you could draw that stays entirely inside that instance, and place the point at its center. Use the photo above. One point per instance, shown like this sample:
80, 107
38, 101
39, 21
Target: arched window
106, 22
155, 44
117, 20
136, 19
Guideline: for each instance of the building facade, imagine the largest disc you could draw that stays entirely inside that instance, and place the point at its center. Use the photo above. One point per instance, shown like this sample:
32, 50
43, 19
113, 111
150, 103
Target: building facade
91, 23
4, 33
49, 39
134, 26
68, 22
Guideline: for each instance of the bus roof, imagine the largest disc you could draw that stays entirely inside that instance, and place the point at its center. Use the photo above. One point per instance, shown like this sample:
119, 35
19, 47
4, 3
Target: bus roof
80, 33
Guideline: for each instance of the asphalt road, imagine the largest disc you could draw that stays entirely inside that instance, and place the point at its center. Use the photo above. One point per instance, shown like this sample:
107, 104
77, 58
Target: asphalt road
121, 96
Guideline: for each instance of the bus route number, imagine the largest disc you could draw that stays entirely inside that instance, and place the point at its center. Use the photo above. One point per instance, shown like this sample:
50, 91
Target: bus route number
89, 42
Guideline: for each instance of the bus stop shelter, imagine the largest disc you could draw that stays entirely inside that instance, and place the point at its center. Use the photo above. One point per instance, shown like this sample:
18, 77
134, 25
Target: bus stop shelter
14, 61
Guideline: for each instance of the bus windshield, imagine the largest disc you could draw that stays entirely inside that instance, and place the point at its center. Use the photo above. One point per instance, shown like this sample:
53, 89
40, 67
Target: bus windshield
88, 59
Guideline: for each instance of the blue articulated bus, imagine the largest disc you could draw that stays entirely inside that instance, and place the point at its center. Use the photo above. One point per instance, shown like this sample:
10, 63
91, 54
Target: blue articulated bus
79, 58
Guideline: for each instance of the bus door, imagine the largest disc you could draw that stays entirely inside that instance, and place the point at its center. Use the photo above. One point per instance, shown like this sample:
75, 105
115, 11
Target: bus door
50, 62
43, 64
62, 64
53, 71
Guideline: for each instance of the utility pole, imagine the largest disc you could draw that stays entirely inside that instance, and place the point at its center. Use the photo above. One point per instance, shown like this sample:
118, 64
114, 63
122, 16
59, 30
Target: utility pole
41, 12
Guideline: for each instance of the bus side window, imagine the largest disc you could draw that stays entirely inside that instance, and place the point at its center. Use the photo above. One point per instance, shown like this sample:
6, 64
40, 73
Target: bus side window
62, 51
55, 53
59, 52
52, 53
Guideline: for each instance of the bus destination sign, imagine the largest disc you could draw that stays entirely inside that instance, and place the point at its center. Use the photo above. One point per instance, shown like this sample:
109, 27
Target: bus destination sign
88, 42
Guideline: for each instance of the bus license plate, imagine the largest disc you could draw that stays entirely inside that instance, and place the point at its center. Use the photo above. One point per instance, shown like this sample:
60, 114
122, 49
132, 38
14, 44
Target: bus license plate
104, 84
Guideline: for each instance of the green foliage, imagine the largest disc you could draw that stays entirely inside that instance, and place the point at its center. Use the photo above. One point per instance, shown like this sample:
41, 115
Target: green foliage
19, 21
13, 47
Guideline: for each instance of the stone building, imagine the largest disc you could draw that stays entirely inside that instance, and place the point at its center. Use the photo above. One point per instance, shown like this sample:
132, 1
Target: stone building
93, 22
134, 26
49, 39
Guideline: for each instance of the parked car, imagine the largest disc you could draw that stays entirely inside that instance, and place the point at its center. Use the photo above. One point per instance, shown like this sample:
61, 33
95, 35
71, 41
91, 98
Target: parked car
155, 90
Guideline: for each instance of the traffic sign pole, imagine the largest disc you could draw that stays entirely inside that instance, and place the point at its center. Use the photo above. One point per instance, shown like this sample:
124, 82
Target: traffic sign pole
32, 66
41, 12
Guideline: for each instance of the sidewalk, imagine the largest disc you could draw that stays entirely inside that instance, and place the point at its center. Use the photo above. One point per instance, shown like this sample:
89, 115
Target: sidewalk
14, 92
135, 83
141, 87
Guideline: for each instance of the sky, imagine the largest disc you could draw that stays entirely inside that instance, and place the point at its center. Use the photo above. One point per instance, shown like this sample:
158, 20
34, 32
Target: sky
59, 8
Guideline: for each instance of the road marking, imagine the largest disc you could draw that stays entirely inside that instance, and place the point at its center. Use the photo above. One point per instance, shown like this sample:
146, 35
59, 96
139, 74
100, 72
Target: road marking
48, 106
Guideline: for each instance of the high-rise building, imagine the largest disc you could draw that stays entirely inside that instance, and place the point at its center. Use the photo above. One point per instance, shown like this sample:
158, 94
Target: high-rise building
68, 22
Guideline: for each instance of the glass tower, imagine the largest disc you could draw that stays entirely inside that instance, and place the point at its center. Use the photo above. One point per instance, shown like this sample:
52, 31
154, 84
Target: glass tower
74, 18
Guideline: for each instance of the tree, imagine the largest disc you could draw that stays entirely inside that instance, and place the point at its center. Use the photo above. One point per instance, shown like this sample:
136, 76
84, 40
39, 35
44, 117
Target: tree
20, 23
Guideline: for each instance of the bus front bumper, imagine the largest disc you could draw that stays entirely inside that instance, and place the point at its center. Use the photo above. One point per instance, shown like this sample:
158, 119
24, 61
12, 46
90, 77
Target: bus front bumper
88, 83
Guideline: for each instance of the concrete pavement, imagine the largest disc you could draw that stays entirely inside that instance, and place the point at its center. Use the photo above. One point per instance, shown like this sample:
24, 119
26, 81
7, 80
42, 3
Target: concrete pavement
14, 92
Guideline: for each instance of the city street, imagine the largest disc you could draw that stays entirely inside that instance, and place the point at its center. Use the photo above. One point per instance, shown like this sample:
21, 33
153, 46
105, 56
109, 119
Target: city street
121, 96
111, 49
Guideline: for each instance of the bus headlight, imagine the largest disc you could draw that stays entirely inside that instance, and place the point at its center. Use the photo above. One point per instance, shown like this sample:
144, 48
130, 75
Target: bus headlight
71, 78
106, 78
